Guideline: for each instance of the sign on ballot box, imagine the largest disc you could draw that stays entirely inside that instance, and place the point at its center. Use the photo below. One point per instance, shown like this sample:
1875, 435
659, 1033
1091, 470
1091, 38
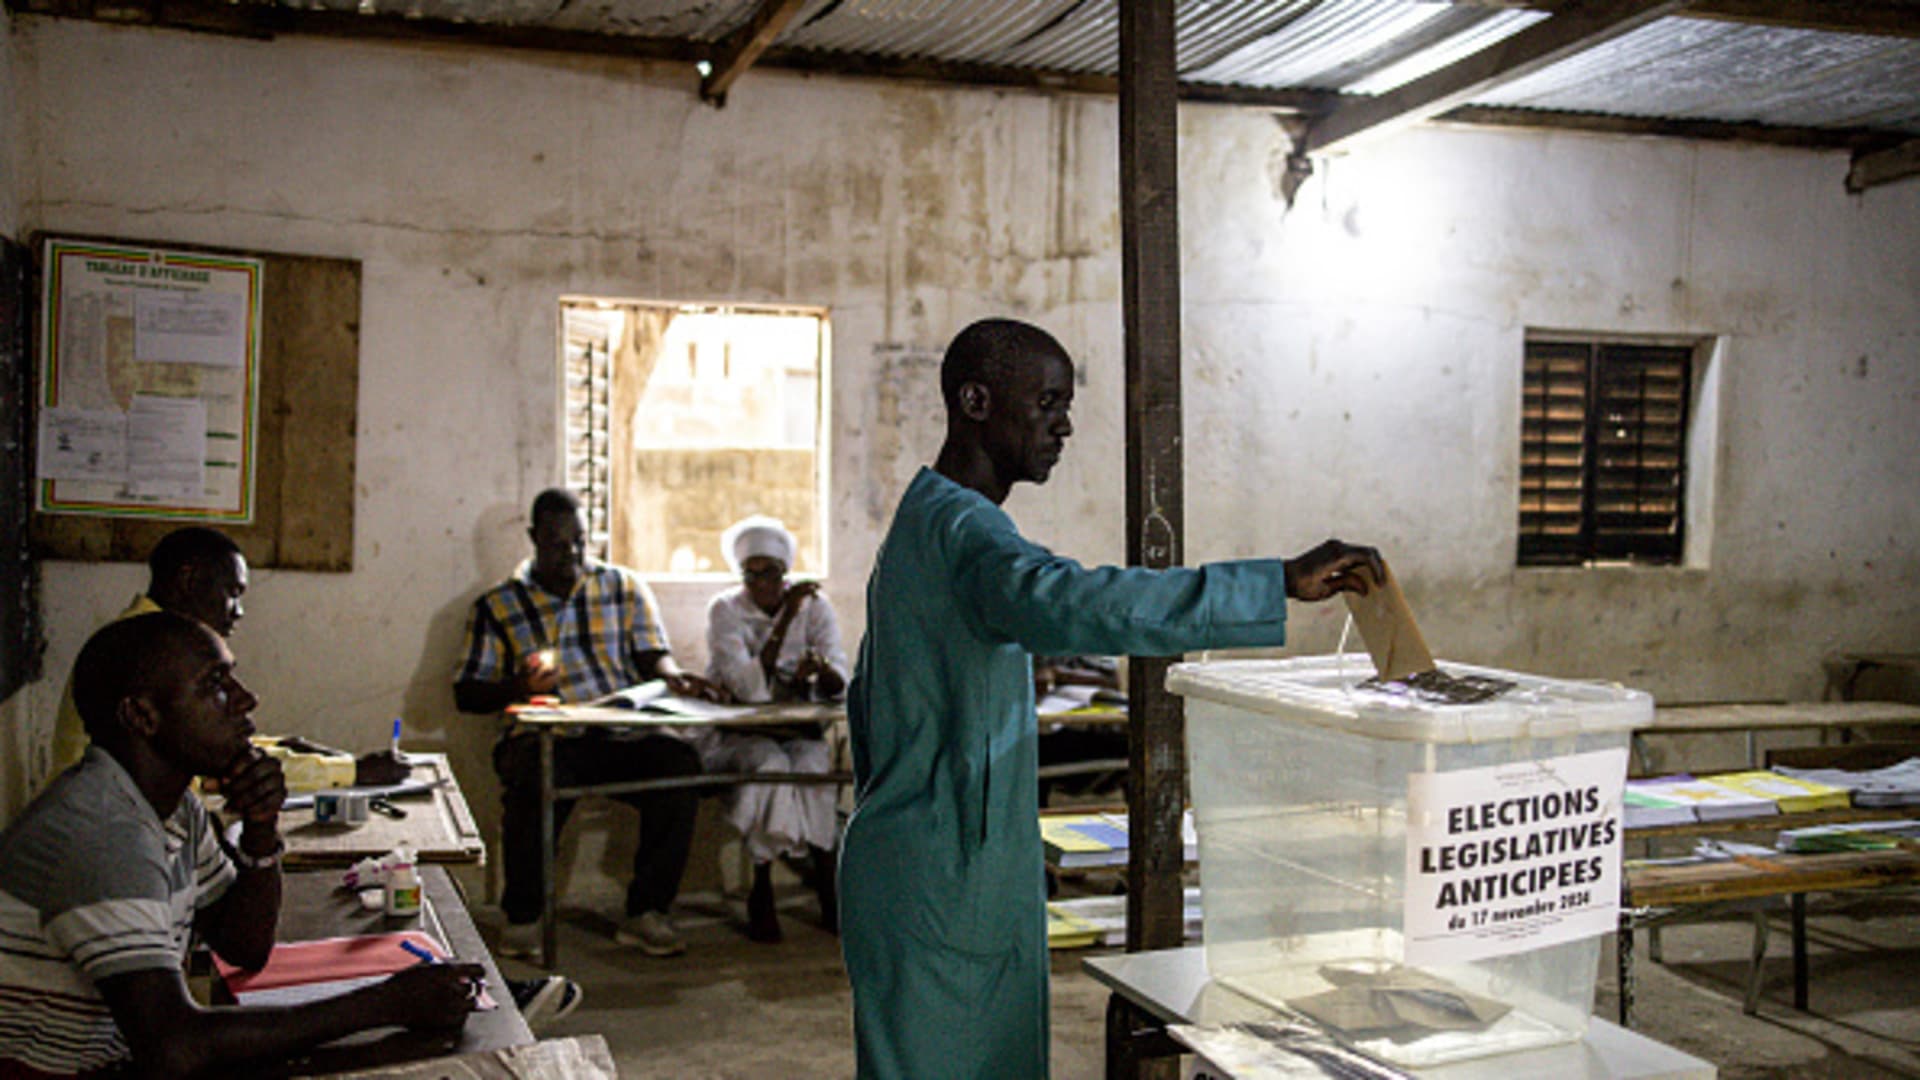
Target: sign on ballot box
1514, 857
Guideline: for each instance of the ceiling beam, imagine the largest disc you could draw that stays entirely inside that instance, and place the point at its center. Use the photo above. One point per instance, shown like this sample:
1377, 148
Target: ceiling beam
1871, 169
1573, 29
266, 21
921, 69
1890, 18
742, 47
1812, 138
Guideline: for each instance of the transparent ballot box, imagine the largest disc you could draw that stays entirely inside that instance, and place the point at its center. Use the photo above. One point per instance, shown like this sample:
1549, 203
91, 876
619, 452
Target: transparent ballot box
1429, 880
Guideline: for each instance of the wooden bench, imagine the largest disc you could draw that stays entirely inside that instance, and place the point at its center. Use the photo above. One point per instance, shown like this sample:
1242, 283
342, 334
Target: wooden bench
1826, 717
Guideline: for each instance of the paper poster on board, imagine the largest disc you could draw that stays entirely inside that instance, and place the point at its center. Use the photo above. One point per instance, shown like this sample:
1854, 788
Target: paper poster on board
1513, 857
149, 382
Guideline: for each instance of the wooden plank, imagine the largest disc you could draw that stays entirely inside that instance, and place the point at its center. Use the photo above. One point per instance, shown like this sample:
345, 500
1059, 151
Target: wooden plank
1717, 882
1538, 46
1661, 127
1871, 169
1669, 719
742, 47
1890, 18
267, 21
1150, 286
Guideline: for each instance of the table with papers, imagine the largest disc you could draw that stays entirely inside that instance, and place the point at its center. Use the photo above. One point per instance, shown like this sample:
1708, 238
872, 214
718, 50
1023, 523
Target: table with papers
438, 825
549, 722
314, 908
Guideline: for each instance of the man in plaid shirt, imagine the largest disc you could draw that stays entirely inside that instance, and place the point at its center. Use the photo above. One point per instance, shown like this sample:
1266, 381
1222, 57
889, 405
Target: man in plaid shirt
578, 629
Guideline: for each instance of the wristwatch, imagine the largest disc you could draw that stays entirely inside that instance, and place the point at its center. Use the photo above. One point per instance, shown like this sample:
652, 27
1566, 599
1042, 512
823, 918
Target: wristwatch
259, 862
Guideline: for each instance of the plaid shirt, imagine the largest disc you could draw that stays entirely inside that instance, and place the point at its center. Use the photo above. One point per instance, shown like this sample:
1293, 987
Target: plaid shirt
597, 633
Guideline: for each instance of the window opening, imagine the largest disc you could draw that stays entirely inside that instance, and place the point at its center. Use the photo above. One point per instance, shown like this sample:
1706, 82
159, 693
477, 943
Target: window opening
666, 455
1602, 452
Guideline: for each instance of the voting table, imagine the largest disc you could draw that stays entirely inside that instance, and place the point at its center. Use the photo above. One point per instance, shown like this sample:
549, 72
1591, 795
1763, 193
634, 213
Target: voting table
1171, 986
313, 906
437, 824
549, 722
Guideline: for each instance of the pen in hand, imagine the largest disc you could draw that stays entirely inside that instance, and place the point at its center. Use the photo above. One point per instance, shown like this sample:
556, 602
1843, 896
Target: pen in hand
425, 956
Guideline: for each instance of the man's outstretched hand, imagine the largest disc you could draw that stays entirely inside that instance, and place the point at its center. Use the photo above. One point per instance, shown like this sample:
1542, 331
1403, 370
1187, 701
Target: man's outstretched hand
1334, 567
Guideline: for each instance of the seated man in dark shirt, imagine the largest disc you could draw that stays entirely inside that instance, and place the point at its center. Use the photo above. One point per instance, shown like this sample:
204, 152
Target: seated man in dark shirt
105, 875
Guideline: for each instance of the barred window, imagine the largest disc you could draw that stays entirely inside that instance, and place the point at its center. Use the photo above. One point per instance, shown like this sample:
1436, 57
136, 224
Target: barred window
681, 419
1603, 452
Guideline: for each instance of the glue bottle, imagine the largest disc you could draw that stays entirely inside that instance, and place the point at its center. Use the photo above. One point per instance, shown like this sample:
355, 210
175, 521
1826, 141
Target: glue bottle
403, 885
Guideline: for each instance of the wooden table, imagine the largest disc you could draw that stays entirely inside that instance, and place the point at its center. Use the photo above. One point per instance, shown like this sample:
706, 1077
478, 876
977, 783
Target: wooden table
312, 906
1653, 895
439, 826
1171, 986
550, 722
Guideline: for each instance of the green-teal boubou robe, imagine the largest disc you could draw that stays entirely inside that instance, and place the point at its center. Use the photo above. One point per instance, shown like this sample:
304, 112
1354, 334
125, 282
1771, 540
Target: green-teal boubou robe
942, 889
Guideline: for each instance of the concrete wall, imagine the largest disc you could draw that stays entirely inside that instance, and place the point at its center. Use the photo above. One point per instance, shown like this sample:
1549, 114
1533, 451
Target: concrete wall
1352, 365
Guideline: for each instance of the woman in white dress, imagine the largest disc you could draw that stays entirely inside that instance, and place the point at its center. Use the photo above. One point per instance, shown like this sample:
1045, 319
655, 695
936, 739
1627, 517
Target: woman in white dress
768, 640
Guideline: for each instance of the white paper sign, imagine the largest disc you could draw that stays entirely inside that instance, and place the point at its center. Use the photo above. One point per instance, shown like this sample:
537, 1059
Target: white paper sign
1512, 857
83, 444
207, 328
167, 446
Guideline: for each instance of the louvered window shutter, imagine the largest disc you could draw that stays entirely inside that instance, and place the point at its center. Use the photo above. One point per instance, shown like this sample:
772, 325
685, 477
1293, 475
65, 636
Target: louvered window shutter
1602, 453
589, 393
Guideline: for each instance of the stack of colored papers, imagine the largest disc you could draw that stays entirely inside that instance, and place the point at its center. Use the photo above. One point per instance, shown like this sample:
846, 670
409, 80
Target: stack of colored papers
1854, 836
1895, 785
1794, 795
1644, 809
1078, 841
1708, 800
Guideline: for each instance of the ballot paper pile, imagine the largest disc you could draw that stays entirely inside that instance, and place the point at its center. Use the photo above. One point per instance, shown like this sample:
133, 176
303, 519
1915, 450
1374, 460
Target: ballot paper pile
1276, 1050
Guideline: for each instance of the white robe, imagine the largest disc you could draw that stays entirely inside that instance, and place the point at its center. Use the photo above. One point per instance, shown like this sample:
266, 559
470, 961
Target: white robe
775, 819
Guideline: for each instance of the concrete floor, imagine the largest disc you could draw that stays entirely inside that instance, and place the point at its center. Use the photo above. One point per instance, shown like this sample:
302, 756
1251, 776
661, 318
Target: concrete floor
730, 1008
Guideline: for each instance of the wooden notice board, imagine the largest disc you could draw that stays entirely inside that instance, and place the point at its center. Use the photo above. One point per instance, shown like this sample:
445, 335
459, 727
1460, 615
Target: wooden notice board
308, 412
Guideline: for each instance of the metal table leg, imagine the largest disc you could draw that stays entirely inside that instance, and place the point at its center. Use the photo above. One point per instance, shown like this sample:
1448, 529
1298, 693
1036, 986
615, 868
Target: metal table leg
549, 926
1752, 1005
1134, 1037
1624, 956
1799, 905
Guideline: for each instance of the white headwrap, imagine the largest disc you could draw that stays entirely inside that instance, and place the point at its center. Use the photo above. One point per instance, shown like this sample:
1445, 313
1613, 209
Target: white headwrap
758, 535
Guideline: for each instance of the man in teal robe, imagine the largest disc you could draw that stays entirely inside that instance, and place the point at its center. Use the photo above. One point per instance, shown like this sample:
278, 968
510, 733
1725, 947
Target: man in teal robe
943, 898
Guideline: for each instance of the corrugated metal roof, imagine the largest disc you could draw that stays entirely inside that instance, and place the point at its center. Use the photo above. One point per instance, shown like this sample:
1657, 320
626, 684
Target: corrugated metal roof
1694, 69
1675, 68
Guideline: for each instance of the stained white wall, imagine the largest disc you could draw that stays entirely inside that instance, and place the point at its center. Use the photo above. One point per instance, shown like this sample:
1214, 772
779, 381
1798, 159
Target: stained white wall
1352, 365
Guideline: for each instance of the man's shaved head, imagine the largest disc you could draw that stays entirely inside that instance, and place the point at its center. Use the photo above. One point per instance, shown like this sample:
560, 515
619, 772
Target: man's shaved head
991, 352
129, 658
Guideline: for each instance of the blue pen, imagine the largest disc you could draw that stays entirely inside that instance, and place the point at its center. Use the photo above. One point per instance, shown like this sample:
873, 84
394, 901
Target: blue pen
425, 956
396, 740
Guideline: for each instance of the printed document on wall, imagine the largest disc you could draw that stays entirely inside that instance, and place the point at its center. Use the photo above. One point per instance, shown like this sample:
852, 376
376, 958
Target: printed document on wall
159, 350
1512, 857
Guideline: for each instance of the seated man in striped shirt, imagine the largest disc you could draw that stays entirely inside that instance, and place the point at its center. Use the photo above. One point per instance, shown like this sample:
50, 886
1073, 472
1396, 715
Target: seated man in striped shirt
105, 875
578, 629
